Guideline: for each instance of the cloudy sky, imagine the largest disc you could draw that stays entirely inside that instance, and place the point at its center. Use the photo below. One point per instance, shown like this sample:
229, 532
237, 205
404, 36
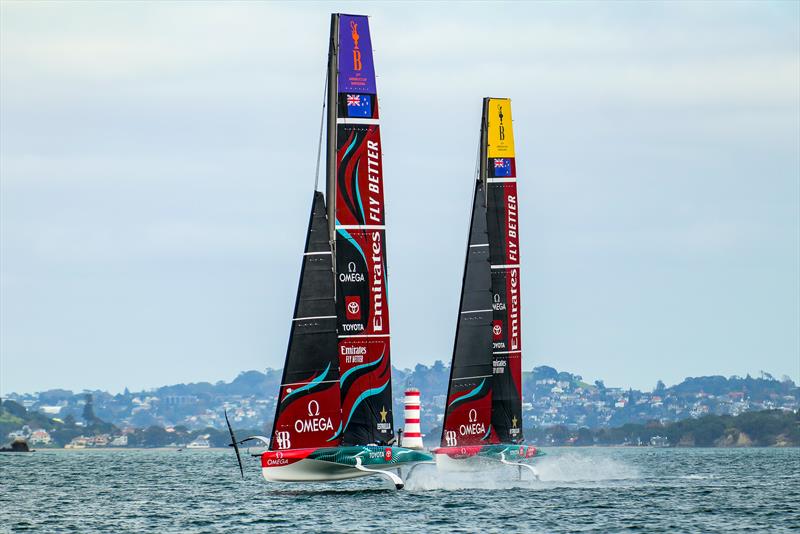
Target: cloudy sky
157, 162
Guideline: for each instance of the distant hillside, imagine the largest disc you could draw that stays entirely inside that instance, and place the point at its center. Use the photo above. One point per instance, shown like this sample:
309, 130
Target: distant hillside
768, 428
551, 398
15, 418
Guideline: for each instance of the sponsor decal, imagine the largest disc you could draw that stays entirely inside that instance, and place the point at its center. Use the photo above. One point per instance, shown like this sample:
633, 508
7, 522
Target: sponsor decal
352, 354
356, 70
282, 437
387, 454
383, 425
351, 275
356, 52
514, 430
497, 330
352, 306
359, 106
473, 428
377, 282
498, 366
314, 423
277, 459
512, 241
502, 129
513, 315
450, 438
500, 135
502, 167
497, 304
512, 281
374, 178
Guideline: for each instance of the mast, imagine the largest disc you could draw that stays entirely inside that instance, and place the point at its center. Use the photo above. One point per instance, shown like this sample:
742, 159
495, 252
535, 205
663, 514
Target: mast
483, 146
330, 168
362, 306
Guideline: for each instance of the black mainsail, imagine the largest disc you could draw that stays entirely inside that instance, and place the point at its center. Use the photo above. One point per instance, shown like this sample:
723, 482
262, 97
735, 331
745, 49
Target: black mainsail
309, 412
468, 410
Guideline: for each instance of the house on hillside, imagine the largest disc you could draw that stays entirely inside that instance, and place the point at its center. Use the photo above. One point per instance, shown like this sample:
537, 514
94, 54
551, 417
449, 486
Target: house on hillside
40, 437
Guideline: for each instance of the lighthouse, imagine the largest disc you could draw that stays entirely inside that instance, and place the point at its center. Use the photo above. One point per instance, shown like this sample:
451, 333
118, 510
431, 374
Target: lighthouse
412, 438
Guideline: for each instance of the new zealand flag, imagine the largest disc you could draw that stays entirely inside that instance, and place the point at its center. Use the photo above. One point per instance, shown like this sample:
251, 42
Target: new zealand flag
502, 167
359, 106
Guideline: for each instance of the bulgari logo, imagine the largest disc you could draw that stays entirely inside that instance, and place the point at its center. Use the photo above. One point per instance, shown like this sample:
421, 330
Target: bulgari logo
313, 408
356, 51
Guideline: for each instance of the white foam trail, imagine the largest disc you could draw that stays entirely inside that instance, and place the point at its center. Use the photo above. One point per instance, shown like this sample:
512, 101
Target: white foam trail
569, 468
427, 478
583, 467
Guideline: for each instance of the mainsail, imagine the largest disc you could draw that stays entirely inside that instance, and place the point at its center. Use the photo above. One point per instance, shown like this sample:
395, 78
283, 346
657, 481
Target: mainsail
308, 412
336, 389
468, 412
484, 400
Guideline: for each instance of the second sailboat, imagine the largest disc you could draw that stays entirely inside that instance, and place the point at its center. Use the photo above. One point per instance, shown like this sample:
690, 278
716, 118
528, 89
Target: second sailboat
483, 413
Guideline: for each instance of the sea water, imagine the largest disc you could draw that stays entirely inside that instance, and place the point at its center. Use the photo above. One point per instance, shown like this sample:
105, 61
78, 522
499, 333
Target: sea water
580, 490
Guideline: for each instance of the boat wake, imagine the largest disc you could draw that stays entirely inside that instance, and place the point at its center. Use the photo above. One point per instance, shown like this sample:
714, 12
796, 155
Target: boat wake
570, 469
575, 467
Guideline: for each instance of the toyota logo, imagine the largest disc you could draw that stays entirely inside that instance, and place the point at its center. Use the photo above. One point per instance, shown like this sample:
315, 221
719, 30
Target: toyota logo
497, 330
352, 307
313, 408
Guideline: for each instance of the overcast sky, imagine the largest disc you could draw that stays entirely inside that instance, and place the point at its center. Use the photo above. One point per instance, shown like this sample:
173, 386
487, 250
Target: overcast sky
157, 161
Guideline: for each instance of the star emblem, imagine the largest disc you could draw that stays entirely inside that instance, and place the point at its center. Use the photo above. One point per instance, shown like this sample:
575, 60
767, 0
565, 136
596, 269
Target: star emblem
514, 421
383, 413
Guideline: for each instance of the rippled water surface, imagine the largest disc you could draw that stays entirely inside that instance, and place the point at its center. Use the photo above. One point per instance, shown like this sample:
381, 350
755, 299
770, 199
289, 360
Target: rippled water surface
587, 489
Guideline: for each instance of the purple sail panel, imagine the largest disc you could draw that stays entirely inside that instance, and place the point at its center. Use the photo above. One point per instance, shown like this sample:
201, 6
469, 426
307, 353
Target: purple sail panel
356, 70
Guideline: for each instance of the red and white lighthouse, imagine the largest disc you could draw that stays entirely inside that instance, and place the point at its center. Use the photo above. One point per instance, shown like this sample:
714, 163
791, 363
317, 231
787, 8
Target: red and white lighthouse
412, 437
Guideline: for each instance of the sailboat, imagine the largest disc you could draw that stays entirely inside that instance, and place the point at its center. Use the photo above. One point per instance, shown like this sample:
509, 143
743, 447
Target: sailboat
483, 412
334, 417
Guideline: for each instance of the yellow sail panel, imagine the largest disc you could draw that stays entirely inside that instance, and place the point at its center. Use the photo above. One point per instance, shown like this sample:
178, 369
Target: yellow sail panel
500, 137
